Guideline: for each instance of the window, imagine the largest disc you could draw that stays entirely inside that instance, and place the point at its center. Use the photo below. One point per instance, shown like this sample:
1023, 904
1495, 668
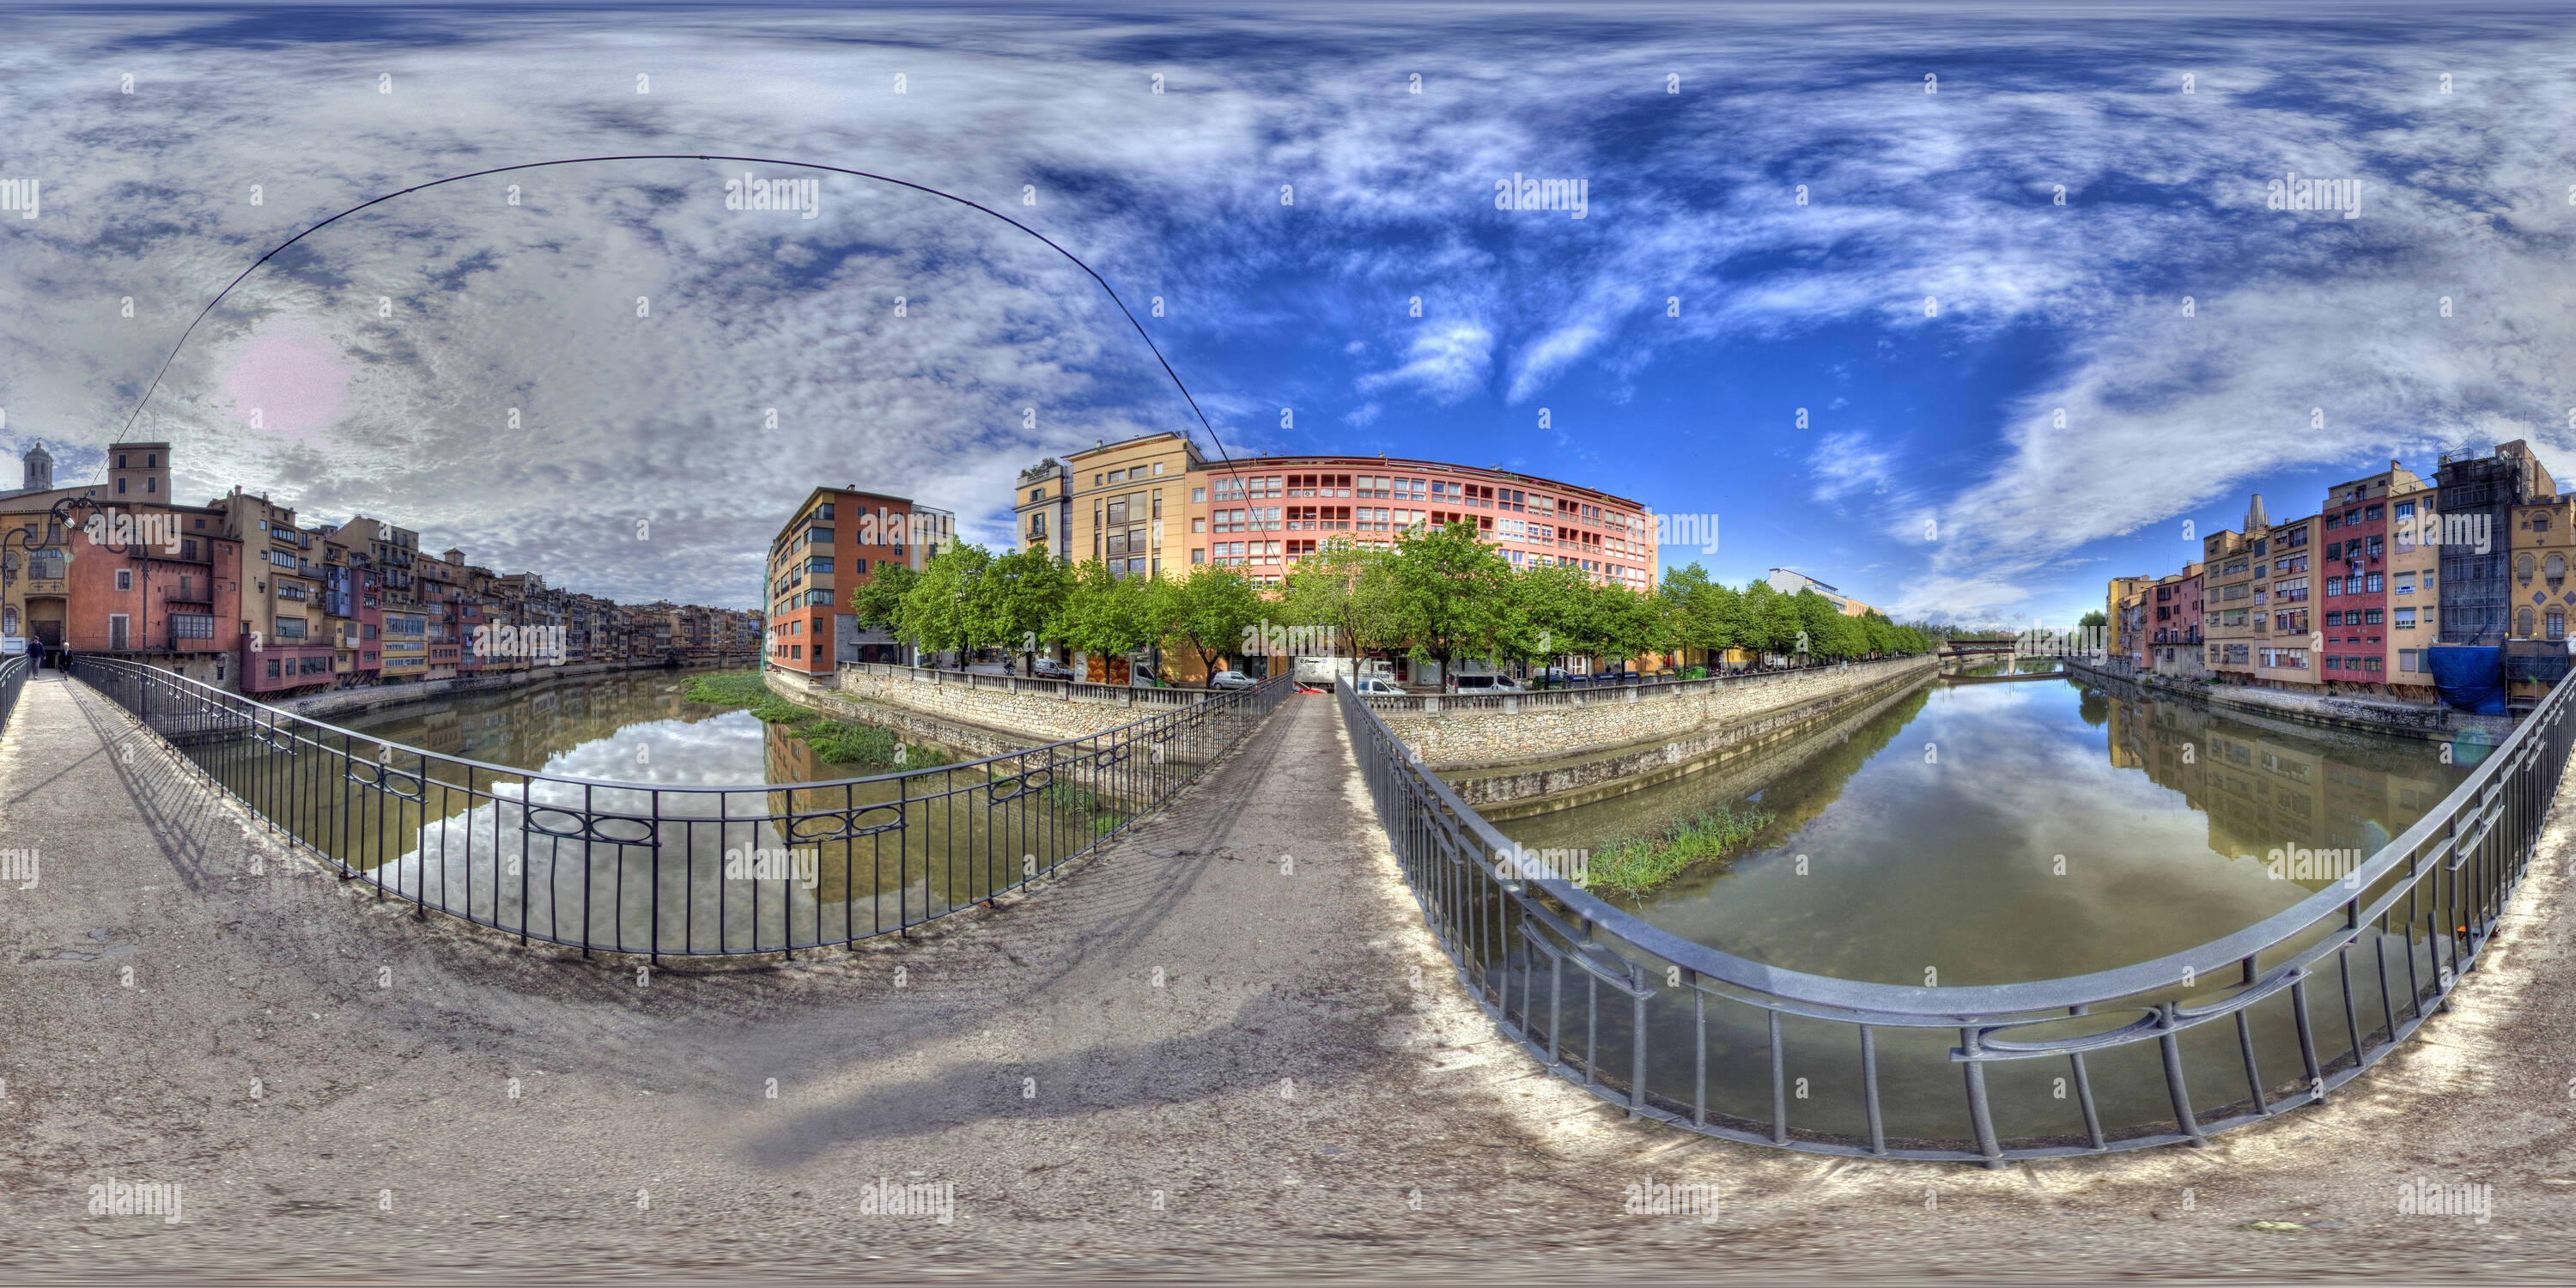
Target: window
1117, 476
2522, 622
1198, 496
2405, 583
292, 628
2370, 618
2557, 623
2371, 513
2406, 622
125, 579
272, 668
2371, 584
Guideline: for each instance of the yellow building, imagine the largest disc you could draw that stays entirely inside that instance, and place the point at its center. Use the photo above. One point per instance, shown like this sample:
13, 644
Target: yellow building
1120, 492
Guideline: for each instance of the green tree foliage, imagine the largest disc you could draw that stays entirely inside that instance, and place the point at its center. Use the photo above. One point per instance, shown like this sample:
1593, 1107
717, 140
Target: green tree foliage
1102, 614
1452, 593
1444, 594
1347, 588
948, 608
877, 602
1017, 595
1205, 612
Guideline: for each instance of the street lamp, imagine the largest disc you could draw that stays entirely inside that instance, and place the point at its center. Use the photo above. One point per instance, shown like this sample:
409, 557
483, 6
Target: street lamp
60, 517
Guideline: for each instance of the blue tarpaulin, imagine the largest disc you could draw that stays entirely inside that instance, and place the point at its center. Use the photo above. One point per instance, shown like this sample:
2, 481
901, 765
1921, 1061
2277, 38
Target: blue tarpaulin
2469, 678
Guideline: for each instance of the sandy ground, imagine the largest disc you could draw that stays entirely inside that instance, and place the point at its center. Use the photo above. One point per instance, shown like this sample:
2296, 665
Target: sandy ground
1176, 1063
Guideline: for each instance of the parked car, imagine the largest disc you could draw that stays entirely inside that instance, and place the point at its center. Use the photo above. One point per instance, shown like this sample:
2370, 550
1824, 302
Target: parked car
1047, 668
1370, 684
1487, 684
1231, 680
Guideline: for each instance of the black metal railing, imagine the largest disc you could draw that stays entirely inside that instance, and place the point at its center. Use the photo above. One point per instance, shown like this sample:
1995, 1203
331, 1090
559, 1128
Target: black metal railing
652, 869
2235, 1031
14, 671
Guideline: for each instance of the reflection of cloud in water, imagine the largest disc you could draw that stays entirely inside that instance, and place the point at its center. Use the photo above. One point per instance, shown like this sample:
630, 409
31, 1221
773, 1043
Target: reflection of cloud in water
1945, 856
488, 864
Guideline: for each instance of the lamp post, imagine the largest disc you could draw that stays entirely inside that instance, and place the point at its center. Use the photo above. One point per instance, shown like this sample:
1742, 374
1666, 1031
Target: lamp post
61, 517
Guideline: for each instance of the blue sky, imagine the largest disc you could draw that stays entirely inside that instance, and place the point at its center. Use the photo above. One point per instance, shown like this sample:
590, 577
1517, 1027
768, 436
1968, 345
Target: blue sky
1934, 474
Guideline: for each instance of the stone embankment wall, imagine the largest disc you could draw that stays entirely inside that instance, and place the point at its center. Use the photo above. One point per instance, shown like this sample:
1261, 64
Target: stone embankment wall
975, 739
1499, 733
1736, 747
2404, 719
1041, 713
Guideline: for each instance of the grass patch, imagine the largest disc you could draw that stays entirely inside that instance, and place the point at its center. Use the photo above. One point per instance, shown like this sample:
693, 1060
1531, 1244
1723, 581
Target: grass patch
1638, 865
835, 742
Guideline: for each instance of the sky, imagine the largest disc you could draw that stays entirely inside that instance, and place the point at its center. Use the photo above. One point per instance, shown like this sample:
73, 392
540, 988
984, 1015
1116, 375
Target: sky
1963, 310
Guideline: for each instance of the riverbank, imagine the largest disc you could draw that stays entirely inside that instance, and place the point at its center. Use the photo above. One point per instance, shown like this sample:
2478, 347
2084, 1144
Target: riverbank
2362, 715
1567, 784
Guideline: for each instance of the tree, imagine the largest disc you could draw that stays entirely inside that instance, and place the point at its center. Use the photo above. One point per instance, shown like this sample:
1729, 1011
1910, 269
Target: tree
1771, 621
1018, 595
1631, 623
877, 602
1452, 592
945, 610
1345, 587
1556, 612
1102, 614
1206, 612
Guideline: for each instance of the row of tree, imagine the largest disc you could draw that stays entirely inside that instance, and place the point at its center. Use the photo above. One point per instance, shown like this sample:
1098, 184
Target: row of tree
1441, 593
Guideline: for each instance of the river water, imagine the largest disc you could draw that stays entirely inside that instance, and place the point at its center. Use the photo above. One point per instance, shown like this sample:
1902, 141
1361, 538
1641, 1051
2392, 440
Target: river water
1993, 831
644, 821
1989, 828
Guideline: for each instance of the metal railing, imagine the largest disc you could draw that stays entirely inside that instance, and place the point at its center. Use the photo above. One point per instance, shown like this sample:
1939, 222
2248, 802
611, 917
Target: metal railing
2235, 1031
1583, 695
14, 671
652, 869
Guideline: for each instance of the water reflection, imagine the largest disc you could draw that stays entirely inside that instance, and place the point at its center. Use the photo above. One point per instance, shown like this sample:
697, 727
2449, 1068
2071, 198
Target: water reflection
2026, 829
666, 825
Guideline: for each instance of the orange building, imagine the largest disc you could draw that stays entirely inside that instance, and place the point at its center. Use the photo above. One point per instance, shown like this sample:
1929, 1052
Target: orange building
834, 543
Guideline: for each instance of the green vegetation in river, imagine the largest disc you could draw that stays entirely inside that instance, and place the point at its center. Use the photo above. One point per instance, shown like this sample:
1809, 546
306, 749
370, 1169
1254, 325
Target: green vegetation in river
837, 742
1637, 865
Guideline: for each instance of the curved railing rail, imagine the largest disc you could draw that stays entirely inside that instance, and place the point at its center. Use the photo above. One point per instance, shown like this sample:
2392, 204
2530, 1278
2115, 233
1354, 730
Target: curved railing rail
14, 671
2234, 1031
659, 870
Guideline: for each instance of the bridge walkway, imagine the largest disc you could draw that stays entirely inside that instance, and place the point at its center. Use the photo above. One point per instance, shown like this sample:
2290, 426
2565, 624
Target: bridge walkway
1224, 1047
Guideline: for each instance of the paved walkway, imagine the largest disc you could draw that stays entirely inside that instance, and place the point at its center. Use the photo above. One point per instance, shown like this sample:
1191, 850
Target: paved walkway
1176, 1062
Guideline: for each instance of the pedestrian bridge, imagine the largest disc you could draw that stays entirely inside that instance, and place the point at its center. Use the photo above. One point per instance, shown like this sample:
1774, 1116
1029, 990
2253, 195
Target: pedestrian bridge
2237, 1031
